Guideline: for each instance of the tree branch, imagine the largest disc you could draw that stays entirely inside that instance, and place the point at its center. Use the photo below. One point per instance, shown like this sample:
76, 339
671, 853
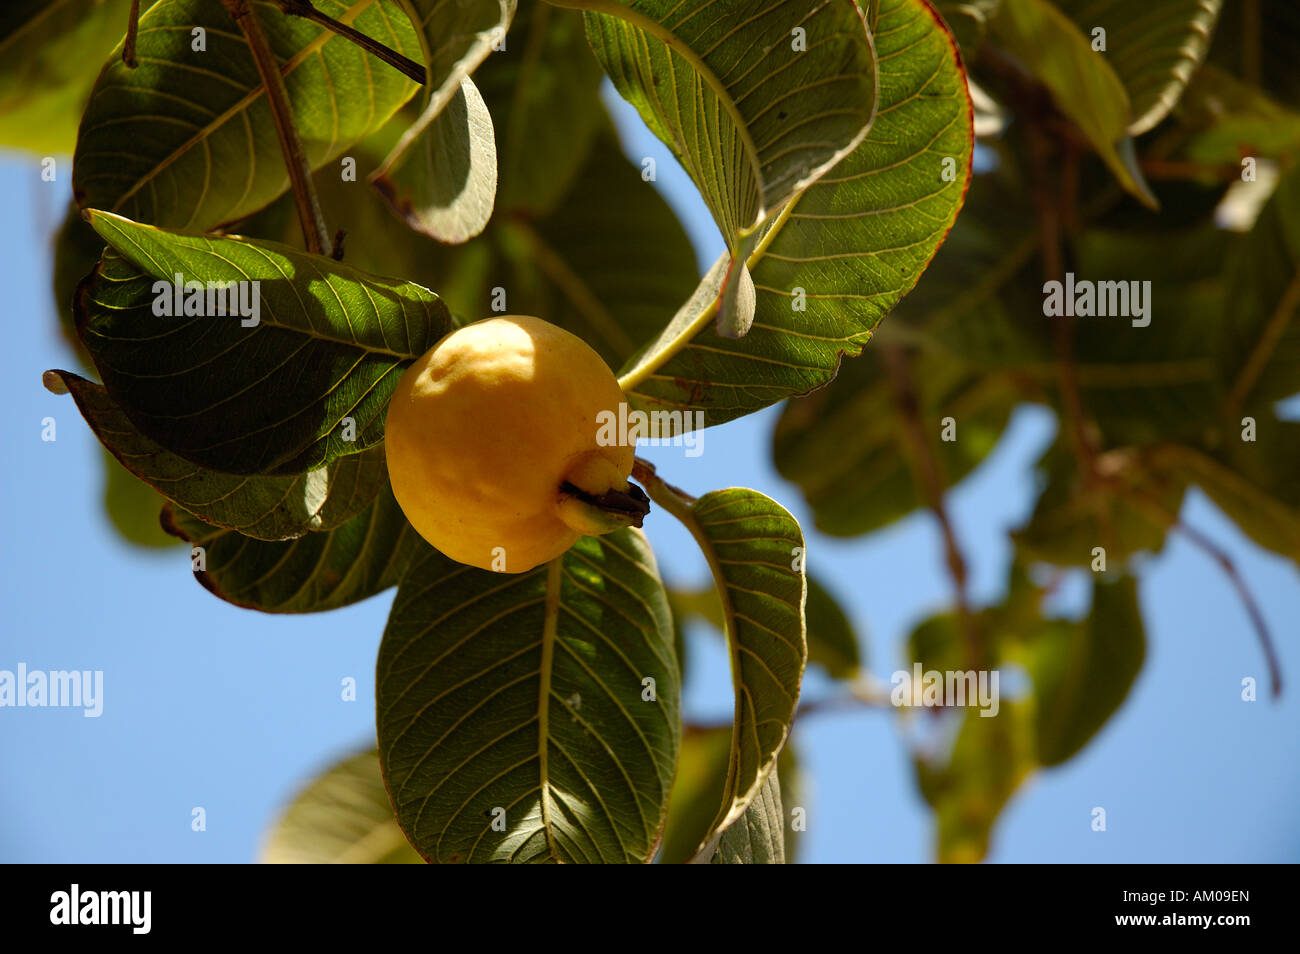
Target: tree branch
314, 233
927, 472
132, 29
403, 64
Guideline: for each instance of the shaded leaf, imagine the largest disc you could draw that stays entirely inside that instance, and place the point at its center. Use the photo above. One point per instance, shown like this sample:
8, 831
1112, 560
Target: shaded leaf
342, 817
265, 508
847, 249
1083, 673
520, 698
441, 176
1154, 51
448, 184
316, 572
186, 139
330, 343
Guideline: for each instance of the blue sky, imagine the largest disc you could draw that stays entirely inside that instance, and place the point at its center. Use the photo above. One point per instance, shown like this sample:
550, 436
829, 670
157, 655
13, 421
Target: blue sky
210, 706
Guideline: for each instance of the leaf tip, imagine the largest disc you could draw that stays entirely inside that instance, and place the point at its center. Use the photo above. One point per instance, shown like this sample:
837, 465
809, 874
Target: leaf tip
54, 382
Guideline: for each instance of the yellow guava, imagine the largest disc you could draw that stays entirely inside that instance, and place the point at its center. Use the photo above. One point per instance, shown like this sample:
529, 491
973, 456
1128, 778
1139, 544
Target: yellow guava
493, 450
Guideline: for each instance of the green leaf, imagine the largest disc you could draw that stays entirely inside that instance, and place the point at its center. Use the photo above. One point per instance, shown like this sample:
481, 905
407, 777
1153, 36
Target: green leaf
1260, 42
50, 53
186, 139
311, 574
1083, 672
1234, 119
854, 243
1154, 51
330, 343
1259, 342
850, 447
750, 117
265, 508
447, 185
757, 837
342, 817
522, 700
968, 789
441, 177
1073, 516
755, 552
1082, 81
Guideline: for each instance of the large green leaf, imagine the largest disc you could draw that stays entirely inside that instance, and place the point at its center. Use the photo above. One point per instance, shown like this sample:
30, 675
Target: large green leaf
186, 139
50, 53
525, 701
1154, 50
342, 817
755, 552
330, 343
1083, 82
441, 177
1259, 344
266, 508
848, 248
757, 101
313, 573
727, 87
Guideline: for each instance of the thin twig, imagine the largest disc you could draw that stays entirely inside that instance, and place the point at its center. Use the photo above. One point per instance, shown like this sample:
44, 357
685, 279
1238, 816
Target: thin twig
132, 28
1247, 598
314, 233
403, 64
931, 480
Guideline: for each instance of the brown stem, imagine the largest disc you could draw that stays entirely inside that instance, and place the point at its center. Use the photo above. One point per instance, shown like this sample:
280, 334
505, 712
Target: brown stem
1216, 553
928, 474
1247, 598
403, 64
314, 233
132, 29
